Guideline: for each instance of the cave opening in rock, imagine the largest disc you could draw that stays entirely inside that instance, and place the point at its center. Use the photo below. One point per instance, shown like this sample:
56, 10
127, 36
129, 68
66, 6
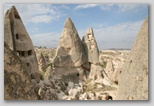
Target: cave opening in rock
78, 74
16, 15
17, 36
28, 65
22, 53
29, 52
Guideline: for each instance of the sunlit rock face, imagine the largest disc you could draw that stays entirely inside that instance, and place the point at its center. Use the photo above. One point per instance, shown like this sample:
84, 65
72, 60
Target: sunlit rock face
91, 47
70, 54
133, 81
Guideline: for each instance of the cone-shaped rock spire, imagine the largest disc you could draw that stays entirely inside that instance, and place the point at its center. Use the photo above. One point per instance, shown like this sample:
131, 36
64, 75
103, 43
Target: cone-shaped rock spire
17, 38
70, 50
70, 54
90, 46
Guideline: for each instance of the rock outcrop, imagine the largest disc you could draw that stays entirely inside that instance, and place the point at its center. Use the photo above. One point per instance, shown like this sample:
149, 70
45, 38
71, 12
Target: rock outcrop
42, 62
49, 73
91, 47
133, 81
17, 82
92, 52
109, 69
69, 54
17, 38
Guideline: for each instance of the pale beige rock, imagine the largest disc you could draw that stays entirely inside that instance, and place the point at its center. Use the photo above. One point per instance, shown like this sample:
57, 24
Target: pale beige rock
17, 82
42, 62
117, 72
96, 72
90, 46
69, 47
69, 54
109, 68
49, 73
17, 38
133, 81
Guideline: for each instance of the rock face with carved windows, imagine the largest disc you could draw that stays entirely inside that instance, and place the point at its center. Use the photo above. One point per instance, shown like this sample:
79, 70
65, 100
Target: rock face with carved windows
17, 38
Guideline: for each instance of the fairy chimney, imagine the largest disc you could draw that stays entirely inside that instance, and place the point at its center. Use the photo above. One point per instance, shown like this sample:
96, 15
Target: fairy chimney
90, 46
17, 38
69, 54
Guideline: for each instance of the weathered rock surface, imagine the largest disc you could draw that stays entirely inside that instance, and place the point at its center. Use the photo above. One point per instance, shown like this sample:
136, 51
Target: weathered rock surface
69, 54
133, 81
90, 90
17, 38
49, 73
42, 62
109, 69
69, 51
52, 89
90, 46
17, 82
92, 52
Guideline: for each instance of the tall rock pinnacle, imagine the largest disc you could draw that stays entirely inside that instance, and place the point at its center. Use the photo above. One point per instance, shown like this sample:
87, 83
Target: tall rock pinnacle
17, 38
90, 46
70, 46
70, 52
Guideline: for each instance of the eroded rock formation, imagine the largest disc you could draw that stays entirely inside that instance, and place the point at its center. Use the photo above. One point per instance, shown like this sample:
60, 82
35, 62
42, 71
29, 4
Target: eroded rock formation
91, 47
42, 62
69, 54
133, 81
17, 82
17, 38
109, 68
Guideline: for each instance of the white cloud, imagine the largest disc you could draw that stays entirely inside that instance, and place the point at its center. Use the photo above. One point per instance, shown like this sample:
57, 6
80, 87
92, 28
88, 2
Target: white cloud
46, 39
128, 7
116, 36
30, 12
83, 6
106, 6
41, 18
117, 7
65, 7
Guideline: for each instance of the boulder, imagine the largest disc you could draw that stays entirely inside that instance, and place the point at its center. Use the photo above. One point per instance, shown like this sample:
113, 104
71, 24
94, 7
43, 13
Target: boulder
133, 81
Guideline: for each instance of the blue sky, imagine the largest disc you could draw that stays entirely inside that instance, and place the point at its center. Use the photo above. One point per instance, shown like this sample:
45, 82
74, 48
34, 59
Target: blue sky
114, 25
